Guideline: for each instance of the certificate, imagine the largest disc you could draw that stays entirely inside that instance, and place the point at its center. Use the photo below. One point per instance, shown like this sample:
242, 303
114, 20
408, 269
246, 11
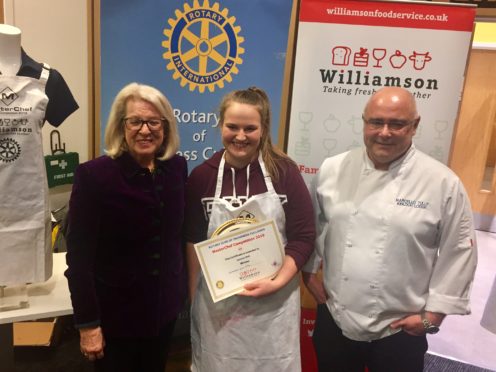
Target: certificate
233, 259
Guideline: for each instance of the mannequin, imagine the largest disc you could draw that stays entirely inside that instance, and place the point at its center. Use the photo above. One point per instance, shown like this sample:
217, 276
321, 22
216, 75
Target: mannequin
10, 46
31, 93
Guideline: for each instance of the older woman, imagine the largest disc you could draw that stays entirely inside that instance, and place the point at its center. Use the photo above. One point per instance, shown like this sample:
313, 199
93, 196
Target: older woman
125, 261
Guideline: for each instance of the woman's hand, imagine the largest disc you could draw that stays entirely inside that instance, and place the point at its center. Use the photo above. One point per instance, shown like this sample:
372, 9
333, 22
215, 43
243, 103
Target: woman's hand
260, 288
266, 287
91, 343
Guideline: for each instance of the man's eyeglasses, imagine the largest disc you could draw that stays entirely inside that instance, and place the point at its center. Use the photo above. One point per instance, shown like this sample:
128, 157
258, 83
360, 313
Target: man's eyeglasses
154, 124
393, 124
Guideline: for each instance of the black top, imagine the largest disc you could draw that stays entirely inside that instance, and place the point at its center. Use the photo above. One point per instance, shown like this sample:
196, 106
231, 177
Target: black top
61, 101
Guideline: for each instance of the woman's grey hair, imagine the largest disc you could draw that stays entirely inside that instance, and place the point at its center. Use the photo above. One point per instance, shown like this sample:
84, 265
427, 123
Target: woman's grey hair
115, 143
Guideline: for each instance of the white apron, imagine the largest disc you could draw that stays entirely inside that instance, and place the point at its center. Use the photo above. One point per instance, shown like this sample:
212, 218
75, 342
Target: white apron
244, 333
25, 227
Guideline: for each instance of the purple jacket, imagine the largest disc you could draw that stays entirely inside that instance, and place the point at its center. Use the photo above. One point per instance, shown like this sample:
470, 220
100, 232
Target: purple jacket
126, 270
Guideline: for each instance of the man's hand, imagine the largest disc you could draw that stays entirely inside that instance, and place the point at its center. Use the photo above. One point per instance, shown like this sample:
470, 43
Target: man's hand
413, 325
315, 286
92, 343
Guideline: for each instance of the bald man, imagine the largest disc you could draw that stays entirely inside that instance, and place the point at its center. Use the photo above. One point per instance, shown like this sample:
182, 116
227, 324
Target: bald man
396, 243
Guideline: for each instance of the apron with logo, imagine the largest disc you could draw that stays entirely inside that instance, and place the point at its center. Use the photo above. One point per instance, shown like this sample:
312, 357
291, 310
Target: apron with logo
25, 227
245, 333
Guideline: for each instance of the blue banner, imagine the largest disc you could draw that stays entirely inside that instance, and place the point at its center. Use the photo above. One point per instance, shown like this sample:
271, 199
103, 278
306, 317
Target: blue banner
194, 52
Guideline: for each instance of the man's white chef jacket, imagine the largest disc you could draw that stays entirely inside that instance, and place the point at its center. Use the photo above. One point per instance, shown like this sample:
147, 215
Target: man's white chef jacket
393, 242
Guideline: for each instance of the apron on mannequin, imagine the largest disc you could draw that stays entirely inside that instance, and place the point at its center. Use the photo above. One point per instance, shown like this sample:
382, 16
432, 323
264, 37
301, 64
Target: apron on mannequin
245, 333
25, 227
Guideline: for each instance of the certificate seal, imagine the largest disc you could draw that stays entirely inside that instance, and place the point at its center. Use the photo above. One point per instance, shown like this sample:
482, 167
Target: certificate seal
219, 284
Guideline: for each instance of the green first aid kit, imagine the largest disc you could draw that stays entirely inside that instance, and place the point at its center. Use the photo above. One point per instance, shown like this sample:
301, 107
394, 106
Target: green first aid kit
60, 166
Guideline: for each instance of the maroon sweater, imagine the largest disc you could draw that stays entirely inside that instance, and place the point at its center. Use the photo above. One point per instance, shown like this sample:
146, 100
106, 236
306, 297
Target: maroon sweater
297, 205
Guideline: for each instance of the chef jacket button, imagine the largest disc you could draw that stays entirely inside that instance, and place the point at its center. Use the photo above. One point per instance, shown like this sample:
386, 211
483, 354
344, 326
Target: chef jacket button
355, 212
155, 273
345, 278
159, 188
155, 256
349, 245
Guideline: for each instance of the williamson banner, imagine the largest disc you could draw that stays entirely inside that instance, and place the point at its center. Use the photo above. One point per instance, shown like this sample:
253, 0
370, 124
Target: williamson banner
347, 50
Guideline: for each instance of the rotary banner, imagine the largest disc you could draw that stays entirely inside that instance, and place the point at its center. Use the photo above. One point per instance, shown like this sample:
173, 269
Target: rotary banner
194, 52
346, 50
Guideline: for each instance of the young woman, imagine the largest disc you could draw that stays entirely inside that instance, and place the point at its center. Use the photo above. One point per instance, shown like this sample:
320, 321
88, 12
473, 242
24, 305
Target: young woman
257, 330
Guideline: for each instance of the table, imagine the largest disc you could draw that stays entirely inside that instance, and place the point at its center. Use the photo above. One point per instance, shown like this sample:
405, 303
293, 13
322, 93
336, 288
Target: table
46, 299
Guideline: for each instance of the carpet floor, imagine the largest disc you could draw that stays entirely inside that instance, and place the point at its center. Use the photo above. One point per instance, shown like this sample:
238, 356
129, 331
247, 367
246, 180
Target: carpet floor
434, 363
64, 356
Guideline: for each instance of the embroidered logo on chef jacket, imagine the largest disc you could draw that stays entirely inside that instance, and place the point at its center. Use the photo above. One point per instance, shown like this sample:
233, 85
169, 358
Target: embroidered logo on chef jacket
412, 203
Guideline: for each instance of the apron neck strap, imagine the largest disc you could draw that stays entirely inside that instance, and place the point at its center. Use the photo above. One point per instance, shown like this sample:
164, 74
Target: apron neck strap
45, 72
220, 176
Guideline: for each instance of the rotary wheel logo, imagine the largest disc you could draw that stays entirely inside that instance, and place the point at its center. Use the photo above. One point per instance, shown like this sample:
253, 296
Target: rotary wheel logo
203, 46
9, 150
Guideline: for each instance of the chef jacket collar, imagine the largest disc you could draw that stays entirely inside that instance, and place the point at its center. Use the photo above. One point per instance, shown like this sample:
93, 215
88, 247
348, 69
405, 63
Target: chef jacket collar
369, 165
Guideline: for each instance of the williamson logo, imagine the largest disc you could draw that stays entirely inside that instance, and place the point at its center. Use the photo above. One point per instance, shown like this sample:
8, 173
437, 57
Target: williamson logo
203, 46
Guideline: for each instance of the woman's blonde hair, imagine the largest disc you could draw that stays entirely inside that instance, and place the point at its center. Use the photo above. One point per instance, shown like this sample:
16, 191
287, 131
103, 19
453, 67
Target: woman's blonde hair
257, 97
115, 142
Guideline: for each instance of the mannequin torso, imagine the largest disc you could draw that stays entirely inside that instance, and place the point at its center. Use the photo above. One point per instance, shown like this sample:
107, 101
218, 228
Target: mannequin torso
10, 50
31, 93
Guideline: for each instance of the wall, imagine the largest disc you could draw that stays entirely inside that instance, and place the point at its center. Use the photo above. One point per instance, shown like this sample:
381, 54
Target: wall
474, 141
56, 32
485, 38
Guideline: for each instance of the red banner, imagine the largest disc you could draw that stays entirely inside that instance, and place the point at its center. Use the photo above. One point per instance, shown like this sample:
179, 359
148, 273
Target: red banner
371, 13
